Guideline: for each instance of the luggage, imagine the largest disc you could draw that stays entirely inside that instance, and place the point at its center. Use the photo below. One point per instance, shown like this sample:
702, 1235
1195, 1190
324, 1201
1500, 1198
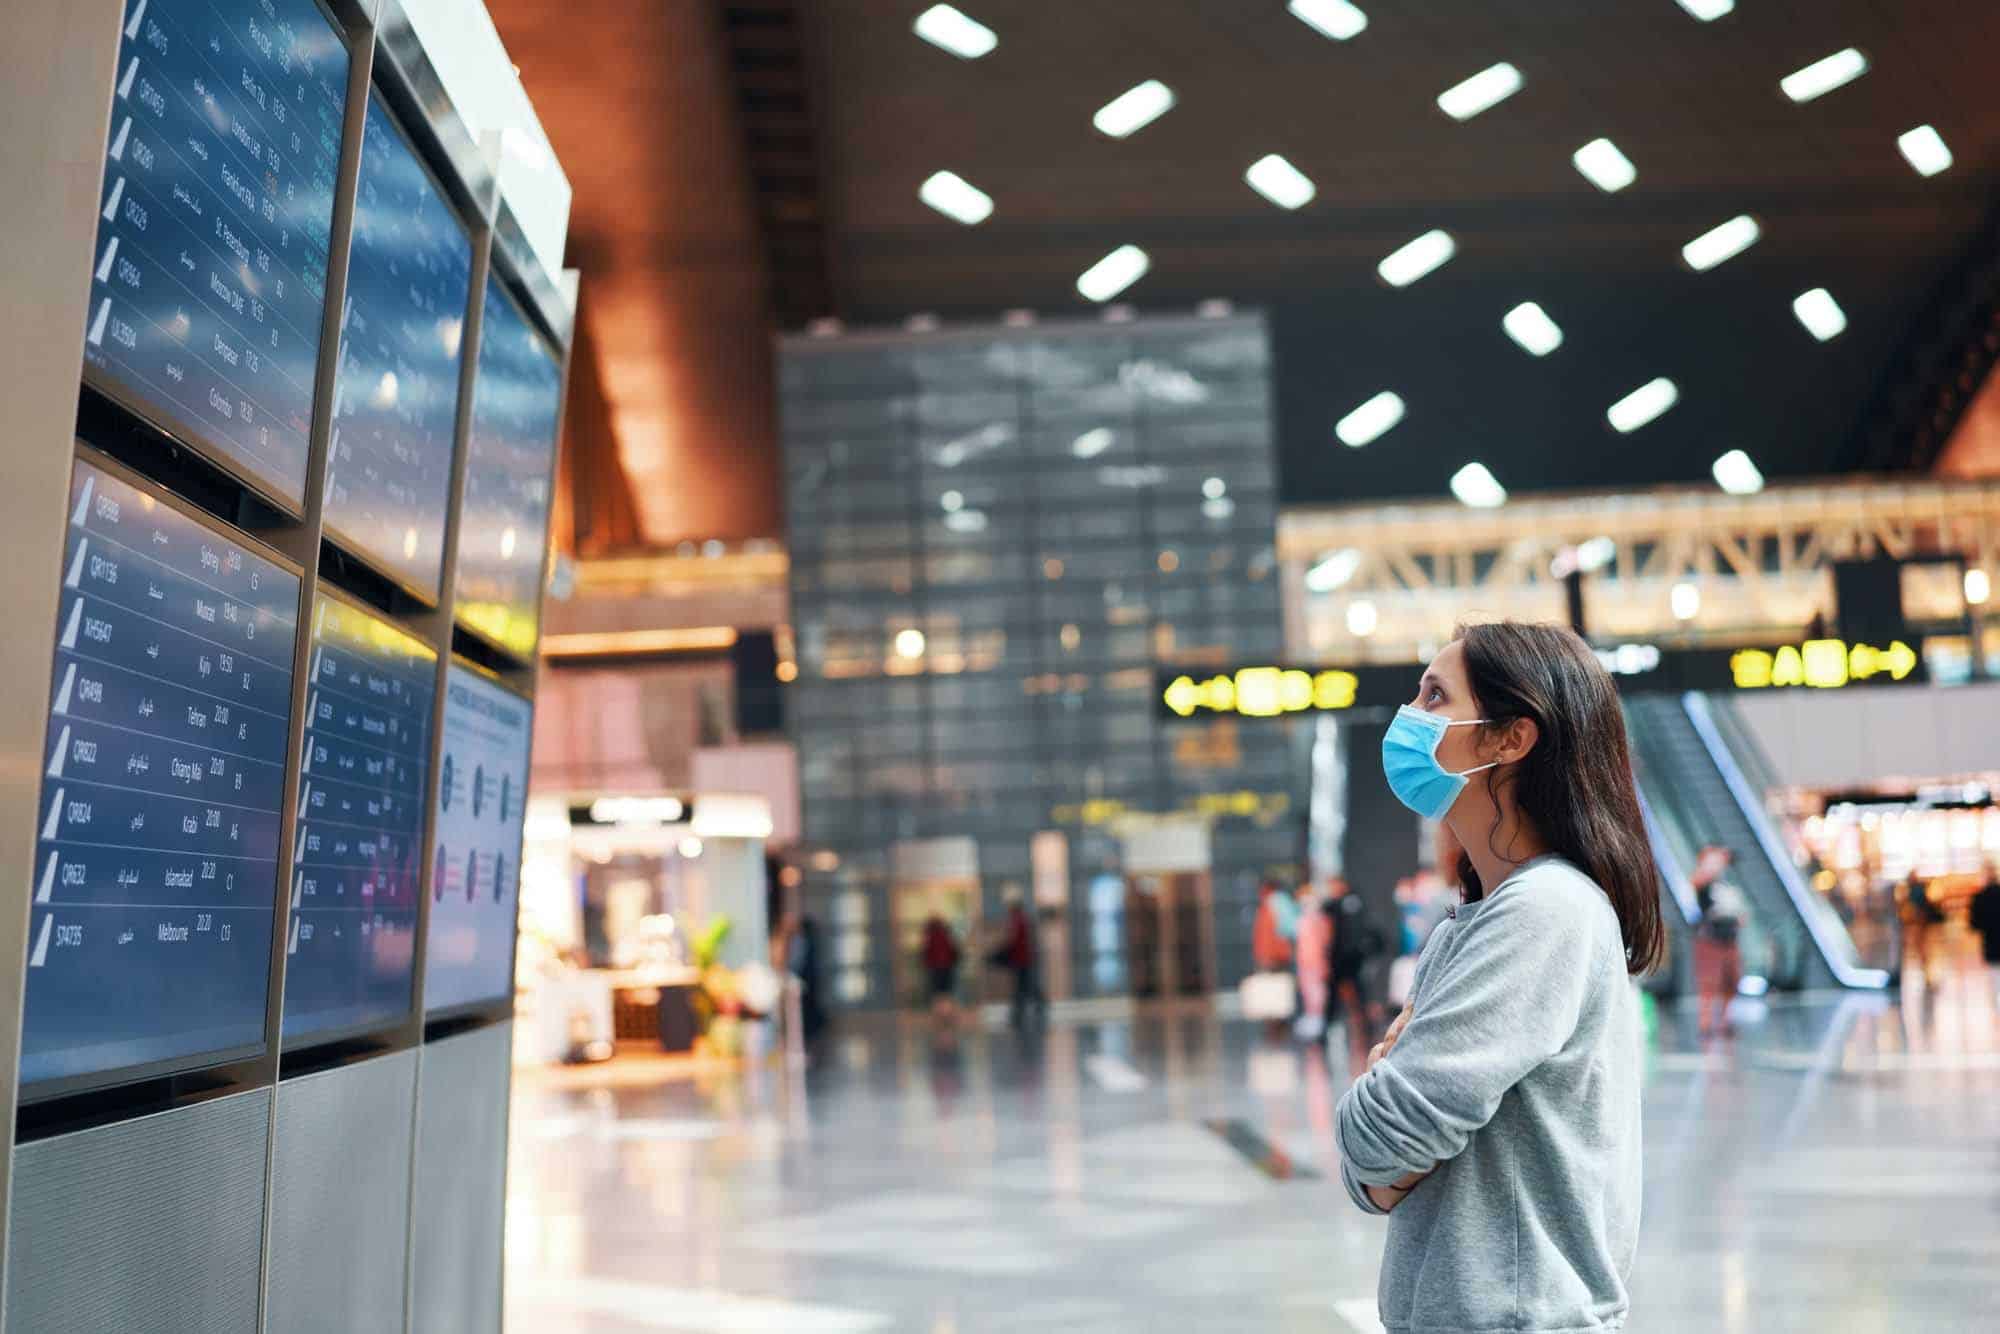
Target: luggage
1268, 996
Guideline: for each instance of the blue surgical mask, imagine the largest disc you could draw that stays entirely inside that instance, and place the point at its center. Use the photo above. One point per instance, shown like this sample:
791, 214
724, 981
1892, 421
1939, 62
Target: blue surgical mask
1409, 760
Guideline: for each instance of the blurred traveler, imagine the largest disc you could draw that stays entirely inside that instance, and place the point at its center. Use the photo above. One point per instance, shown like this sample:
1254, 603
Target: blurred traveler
1269, 993
1519, 1063
1017, 954
1270, 948
1356, 943
940, 957
1718, 951
1925, 916
802, 960
1314, 957
1986, 921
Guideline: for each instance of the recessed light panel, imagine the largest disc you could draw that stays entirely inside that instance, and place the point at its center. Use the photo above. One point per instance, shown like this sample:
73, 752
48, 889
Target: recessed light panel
1114, 273
1411, 262
1736, 474
1134, 109
1482, 92
956, 198
1477, 487
1530, 326
956, 32
1280, 182
1823, 76
1723, 243
1642, 405
1092, 442
1334, 571
1362, 618
1708, 11
1604, 166
1925, 149
1370, 421
1686, 600
1820, 313
1335, 18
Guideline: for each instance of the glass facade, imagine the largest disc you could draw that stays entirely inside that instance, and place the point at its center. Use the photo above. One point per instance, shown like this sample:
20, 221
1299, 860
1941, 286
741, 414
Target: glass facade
999, 541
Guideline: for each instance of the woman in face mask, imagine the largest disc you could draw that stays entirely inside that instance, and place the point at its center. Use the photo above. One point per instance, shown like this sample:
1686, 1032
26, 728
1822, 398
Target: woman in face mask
1498, 1124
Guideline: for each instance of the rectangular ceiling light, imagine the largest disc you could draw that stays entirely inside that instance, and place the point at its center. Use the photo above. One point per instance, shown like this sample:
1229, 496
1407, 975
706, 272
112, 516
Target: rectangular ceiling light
1604, 166
1134, 109
1642, 405
956, 32
1477, 487
1280, 182
1530, 326
1823, 76
1334, 571
1722, 243
1708, 11
955, 197
1114, 273
1370, 421
1412, 261
1736, 474
1820, 313
1483, 91
1092, 442
1925, 149
1335, 18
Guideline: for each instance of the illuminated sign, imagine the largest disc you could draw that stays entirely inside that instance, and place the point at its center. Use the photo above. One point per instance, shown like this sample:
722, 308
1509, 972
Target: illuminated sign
1822, 664
1262, 692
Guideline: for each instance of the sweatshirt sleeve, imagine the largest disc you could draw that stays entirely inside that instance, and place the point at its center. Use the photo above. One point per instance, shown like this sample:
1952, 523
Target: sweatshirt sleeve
1507, 1000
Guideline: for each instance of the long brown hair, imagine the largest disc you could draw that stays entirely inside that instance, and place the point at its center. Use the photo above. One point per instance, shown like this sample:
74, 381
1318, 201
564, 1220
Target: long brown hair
1576, 784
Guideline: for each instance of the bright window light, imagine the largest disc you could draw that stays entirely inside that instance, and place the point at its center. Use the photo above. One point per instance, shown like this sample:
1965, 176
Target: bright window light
1134, 109
1595, 554
953, 501
1722, 243
1530, 326
1820, 313
1362, 618
1823, 76
1370, 421
1978, 587
910, 643
1708, 11
1482, 92
1280, 182
1412, 261
1334, 571
966, 521
1642, 405
1092, 442
1686, 599
1215, 488
1335, 18
956, 198
1114, 273
956, 32
1925, 149
1736, 474
1604, 166
1477, 487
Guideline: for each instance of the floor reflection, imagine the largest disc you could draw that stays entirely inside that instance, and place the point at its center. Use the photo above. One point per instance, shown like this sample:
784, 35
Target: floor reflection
1833, 1168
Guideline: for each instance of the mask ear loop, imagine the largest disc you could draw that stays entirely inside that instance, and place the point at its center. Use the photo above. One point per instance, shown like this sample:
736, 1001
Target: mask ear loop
1464, 722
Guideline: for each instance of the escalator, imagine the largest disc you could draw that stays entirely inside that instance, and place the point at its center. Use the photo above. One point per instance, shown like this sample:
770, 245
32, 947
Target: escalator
1702, 779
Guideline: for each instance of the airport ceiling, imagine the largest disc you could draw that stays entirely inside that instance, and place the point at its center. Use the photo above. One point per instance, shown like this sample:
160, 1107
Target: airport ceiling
1695, 106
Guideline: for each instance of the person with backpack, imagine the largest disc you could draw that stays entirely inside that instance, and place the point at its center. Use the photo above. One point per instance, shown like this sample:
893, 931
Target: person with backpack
940, 958
1718, 952
1926, 915
1017, 955
1356, 942
1986, 921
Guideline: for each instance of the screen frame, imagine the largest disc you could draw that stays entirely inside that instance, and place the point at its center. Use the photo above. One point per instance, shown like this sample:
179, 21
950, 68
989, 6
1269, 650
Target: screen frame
177, 429
330, 531
498, 277
502, 1005
62, 1086
391, 1025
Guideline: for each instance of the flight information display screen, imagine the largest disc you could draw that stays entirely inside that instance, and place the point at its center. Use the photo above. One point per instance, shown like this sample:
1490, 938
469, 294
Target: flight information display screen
476, 864
357, 857
214, 222
504, 527
395, 403
156, 872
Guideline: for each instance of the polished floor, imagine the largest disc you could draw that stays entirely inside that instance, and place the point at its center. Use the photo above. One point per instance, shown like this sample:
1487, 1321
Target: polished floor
1834, 1169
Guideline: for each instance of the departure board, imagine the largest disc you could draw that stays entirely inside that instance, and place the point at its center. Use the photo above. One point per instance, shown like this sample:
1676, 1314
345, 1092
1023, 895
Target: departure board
357, 856
476, 859
503, 528
157, 866
214, 222
395, 403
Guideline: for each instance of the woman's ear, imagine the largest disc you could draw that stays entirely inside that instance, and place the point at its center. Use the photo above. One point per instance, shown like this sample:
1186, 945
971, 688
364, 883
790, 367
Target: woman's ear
1518, 740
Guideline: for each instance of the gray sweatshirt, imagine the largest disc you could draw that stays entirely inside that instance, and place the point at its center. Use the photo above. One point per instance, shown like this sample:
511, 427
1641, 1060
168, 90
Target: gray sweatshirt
1518, 1077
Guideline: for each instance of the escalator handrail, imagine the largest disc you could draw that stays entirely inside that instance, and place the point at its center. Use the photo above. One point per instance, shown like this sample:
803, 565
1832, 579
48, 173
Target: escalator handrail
1847, 974
1670, 866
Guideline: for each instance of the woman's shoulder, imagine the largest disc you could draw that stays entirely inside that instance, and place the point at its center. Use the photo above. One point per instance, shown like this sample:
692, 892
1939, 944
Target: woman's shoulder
1552, 894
